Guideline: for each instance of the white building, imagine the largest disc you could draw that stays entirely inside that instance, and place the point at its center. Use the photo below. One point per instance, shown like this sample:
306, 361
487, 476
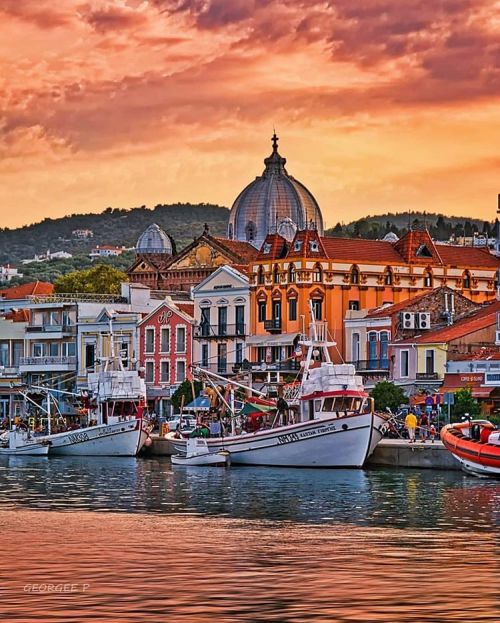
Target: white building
106, 250
222, 320
7, 272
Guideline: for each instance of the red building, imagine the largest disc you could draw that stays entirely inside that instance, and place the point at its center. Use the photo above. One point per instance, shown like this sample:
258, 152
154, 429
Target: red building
165, 347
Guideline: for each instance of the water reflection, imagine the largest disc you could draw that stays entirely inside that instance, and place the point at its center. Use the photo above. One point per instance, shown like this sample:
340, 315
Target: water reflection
405, 498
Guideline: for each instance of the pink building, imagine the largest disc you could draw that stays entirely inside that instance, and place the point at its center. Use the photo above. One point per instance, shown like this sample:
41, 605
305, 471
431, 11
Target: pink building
165, 347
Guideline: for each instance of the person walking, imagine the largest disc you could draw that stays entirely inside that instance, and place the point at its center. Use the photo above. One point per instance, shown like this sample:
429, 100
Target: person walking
424, 427
411, 425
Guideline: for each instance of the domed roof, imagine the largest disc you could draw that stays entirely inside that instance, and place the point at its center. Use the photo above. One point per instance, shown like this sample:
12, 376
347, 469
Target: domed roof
155, 241
275, 202
390, 237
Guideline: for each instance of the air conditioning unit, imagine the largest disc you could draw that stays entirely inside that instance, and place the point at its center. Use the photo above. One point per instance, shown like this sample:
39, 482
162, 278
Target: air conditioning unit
497, 340
407, 320
424, 320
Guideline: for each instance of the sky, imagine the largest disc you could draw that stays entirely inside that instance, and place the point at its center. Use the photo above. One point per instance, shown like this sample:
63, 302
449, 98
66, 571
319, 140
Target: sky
380, 105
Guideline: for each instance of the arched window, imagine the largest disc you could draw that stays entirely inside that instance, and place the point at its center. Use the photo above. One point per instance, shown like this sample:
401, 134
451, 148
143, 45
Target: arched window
372, 350
466, 283
318, 274
276, 274
354, 275
388, 276
261, 278
291, 274
230, 231
384, 350
250, 231
428, 279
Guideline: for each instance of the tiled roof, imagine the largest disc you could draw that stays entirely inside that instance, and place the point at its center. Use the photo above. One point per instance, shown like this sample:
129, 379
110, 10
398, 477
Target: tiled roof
187, 308
278, 248
482, 319
244, 250
18, 315
356, 250
27, 289
390, 310
468, 257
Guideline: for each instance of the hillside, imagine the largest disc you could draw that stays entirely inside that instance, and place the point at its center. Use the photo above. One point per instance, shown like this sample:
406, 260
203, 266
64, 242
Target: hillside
113, 226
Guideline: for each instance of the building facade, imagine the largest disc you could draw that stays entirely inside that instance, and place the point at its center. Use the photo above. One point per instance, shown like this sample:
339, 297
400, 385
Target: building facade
221, 313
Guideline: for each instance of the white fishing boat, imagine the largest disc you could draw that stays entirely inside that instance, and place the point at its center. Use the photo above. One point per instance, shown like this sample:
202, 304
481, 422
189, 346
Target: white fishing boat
335, 423
20, 443
198, 454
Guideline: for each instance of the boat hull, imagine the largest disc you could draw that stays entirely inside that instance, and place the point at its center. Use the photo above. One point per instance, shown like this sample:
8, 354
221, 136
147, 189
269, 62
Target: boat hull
34, 449
475, 457
211, 459
120, 439
327, 442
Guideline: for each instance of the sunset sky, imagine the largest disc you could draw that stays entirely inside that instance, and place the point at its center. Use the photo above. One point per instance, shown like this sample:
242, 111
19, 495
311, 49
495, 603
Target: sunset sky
380, 105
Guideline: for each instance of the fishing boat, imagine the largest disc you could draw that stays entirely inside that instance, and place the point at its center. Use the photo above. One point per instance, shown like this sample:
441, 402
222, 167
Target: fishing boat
18, 442
198, 454
476, 446
332, 423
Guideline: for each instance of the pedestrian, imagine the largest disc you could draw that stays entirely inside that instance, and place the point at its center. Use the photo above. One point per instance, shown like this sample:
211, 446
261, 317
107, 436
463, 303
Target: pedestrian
432, 433
411, 425
424, 423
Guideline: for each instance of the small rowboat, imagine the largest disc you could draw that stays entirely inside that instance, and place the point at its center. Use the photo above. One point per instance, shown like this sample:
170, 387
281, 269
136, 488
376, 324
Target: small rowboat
475, 445
198, 454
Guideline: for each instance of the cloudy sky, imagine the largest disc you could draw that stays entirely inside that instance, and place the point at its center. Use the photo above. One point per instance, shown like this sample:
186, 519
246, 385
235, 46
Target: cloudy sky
380, 105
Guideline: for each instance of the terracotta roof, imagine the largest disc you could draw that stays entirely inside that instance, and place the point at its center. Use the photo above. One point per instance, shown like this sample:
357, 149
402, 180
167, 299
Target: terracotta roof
307, 238
390, 310
482, 319
278, 248
468, 257
27, 289
18, 315
242, 249
356, 250
187, 308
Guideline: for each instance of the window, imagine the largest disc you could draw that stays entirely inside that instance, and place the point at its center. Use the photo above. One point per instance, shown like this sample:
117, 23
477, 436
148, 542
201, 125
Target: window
277, 313
388, 277
267, 248
428, 279
355, 347
165, 340
292, 309
292, 275
354, 275
276, 274
165, 372
150, 341
317, 274
222, 317
4, 354
205, 321
53, 349
297, 245
466, 280
89, 356
423, 251
384, 350
238, 356
18, 351
429, 361
239, 313
150, 371
180, 341
204, 355
276, 354
222, 358
261, 308
261, 354
180, 371
250, 231
372, 350
405, 363
68, 349
314, 246
354, 305
317, 305
261, 278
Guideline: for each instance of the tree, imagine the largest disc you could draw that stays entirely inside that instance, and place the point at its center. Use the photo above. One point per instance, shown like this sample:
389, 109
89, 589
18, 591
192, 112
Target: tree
386, 394
185, 389
100, 279
465, 403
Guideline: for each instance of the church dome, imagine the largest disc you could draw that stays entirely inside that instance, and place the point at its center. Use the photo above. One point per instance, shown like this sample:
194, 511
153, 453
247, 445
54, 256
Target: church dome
155, 241
275, 202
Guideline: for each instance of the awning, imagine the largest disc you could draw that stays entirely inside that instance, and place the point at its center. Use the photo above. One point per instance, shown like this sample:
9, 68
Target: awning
283, 339
477, 392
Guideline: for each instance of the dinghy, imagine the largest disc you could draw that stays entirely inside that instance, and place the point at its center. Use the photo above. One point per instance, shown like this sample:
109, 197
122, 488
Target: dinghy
198, 454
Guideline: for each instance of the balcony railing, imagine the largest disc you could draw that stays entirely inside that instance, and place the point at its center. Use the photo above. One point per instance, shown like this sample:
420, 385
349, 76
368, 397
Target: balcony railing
208, 331
273, 326
427, 376
51, 328
371, 365
277, 366
47, 361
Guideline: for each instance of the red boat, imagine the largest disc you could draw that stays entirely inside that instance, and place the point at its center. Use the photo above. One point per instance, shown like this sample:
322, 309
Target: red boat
476, 445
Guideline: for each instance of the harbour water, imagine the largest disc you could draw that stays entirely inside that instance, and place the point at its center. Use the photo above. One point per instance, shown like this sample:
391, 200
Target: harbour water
125, 540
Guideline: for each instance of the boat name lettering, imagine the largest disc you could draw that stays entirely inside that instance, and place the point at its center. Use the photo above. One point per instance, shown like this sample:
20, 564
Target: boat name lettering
288, 438
77, 437
306, 433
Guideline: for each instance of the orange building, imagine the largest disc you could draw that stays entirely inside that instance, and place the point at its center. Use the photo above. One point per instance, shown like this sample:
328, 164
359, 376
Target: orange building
339, 274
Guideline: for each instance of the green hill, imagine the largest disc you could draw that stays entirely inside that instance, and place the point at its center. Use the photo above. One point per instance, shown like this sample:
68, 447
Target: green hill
113, 226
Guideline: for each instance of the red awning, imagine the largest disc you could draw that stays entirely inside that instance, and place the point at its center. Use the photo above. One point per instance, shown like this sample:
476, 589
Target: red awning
482, 392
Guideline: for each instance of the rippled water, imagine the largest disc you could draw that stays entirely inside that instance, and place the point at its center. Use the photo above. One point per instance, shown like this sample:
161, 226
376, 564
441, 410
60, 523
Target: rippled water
136, 540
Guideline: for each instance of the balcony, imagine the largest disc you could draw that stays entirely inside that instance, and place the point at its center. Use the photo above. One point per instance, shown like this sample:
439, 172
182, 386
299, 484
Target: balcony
219, 331
370, 366
276, 366
47, 364
273, 326
427, 376
52, 329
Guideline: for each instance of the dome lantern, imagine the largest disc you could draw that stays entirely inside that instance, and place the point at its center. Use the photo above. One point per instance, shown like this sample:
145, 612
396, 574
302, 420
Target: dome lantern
154, 241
